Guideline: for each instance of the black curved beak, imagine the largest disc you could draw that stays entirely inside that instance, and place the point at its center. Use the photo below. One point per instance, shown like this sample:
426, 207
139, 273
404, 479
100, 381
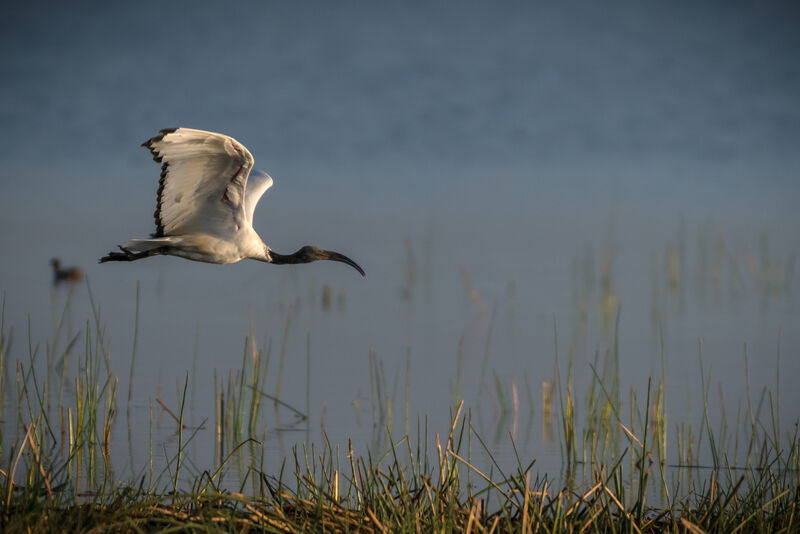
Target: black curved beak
335, 256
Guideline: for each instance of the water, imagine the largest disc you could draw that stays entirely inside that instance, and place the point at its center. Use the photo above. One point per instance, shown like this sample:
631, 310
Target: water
527, 150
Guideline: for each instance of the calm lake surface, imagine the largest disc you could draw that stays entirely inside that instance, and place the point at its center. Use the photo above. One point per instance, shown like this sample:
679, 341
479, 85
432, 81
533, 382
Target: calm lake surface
499, 174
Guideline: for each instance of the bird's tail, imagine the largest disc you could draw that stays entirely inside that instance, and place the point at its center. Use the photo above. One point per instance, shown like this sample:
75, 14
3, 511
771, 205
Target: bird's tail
143, 245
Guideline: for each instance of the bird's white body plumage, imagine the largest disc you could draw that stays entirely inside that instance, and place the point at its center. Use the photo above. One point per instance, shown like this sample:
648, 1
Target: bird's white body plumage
205, 199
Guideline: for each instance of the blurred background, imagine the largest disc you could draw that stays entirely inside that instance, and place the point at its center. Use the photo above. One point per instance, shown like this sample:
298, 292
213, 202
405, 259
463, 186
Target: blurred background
510, 179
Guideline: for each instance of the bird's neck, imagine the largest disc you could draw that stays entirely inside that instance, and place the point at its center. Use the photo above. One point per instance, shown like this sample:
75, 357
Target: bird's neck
299, 256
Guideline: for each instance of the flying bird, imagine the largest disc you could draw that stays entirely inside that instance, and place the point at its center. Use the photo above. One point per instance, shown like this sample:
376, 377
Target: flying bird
206, 199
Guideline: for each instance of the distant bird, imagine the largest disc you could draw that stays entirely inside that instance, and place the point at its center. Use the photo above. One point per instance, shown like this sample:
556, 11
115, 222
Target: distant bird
206, 203
67, 274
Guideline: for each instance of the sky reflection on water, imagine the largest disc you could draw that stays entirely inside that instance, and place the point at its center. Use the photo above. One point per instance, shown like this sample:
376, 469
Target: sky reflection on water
474, 161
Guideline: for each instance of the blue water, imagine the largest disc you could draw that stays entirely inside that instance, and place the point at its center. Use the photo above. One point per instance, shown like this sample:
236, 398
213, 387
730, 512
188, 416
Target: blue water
514, 145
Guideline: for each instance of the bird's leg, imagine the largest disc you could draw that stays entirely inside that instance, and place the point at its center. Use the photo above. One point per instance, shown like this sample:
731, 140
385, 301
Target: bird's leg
127, 255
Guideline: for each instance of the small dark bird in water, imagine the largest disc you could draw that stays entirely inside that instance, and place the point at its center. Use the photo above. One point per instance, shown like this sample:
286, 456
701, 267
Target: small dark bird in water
67, 274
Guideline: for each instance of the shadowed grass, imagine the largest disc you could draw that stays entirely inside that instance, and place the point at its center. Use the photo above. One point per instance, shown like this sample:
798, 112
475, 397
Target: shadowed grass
401, 492
63, 481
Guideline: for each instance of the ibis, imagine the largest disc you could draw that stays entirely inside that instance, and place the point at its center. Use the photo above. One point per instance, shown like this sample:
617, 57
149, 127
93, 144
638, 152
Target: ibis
206, 198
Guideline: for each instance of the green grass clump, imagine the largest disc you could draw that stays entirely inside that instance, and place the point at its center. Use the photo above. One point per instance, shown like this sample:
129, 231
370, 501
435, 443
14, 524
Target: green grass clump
58, 477
406, 491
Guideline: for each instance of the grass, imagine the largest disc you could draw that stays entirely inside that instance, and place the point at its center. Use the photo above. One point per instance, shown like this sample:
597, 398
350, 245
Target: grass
59, 475
406, 490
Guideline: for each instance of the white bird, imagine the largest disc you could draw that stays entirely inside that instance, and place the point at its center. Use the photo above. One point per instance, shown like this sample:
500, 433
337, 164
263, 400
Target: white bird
206, 203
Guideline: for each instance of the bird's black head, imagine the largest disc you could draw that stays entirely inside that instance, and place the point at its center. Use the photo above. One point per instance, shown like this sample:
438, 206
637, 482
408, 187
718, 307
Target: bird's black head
307, 254
310, 253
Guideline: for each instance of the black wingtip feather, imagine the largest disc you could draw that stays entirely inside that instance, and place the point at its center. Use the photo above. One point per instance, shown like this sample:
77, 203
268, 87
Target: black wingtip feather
159, 137
159, 159
157, 214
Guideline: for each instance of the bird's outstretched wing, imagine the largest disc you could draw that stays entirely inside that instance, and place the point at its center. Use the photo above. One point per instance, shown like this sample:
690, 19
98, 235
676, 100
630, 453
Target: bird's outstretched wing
203, 182
257, 185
